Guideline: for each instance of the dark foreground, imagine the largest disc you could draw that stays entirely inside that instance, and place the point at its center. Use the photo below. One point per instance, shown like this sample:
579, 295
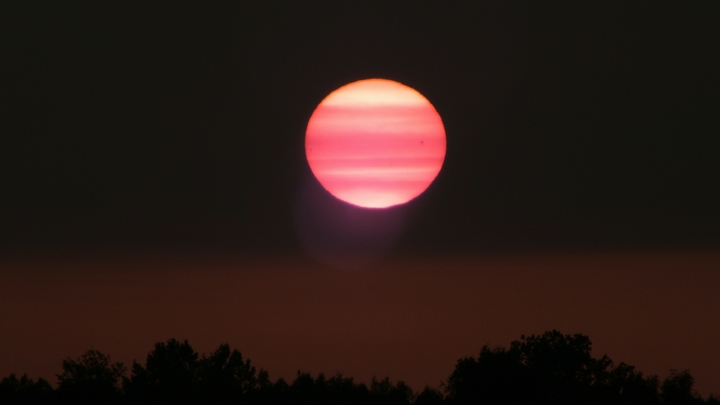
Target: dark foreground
549, 369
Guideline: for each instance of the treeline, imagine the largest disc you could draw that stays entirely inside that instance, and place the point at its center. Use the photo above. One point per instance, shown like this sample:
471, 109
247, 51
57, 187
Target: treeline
551, 368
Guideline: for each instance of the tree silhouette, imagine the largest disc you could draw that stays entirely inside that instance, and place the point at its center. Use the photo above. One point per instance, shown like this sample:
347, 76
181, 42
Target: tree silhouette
90, 379
560, 368
627, 386
551, 368
224, 377
174, 373
170, 376
429, 396
343, 390
677, 389
272, 394
307, 390
385, 392
497, 376
24, 391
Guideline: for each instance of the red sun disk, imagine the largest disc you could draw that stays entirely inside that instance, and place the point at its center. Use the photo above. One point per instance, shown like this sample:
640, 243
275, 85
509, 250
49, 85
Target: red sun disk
375, 143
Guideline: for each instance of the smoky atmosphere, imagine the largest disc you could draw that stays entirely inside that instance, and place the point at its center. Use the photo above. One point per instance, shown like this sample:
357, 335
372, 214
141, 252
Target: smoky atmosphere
455, 196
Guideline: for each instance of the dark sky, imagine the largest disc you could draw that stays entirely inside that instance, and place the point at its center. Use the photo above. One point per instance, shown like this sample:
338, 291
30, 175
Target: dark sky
182, 124
150, 129
404, 319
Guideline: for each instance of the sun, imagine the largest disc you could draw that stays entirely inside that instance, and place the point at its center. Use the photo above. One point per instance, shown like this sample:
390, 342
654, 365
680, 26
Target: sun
375, 143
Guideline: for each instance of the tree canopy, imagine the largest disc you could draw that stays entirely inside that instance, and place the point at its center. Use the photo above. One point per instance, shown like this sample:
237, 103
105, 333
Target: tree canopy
551, 368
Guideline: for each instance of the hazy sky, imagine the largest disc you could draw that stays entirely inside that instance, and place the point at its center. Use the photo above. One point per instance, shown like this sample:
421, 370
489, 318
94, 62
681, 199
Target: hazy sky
409, 319
181, 124
154, 184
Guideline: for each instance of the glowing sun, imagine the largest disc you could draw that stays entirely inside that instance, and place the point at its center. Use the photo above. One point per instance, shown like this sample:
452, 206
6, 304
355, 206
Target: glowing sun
375, 143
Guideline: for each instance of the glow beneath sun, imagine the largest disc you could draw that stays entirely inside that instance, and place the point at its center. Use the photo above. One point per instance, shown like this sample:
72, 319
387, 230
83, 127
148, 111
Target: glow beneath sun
375, 143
